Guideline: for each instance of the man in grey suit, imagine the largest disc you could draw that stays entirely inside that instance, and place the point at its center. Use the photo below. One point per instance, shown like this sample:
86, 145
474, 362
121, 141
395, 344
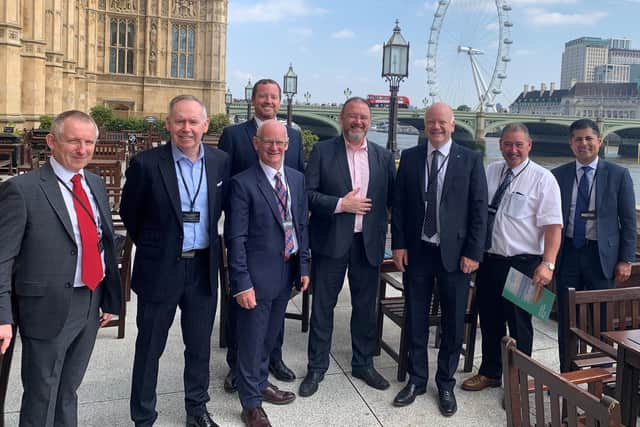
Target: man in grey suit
58, 259
599, 211
349, 182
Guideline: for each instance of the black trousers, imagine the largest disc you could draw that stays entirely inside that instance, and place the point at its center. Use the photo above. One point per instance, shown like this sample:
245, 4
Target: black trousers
580, 269
425, 267
327, 278
496, 312
198, 308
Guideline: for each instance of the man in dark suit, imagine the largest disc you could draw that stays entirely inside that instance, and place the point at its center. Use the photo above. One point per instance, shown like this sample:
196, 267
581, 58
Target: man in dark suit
237, 141
171, 203
598, 208
58, 258
349, 183
438, 226
268, 251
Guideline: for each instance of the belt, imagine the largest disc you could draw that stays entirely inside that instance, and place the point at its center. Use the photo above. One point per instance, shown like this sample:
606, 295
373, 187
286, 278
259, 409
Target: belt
520, 257
588, 243
193, 253
430, 244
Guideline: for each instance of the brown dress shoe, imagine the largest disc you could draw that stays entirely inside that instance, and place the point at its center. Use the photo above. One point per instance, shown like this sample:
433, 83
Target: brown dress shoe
255, 417
273, 394
480, 382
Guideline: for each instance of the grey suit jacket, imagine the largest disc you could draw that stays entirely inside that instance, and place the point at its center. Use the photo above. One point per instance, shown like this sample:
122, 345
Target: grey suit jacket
38, 253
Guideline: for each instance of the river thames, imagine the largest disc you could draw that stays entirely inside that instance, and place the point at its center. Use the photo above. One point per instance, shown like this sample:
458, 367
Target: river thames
493, 153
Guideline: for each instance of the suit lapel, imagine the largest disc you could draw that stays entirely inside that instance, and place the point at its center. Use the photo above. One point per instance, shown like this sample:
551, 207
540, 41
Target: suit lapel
51, 189
342, 164
212, 185
372, 157
270, 196
602, 176
453, 165
250, 128
567, 178
170, 179
422, 162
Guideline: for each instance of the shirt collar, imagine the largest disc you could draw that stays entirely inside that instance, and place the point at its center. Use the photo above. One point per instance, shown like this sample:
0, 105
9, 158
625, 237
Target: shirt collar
271, 172
61, 172
179, 155
594, 164
520, 167
364, 145
444, 150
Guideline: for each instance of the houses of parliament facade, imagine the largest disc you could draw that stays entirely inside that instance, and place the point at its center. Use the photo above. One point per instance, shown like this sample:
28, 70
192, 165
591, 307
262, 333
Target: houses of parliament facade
130, 55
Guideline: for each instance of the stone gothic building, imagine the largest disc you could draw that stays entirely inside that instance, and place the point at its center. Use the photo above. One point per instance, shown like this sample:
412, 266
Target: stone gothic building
131, 55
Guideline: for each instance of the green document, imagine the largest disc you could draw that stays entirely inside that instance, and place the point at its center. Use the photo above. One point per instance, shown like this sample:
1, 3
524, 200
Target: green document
520, 290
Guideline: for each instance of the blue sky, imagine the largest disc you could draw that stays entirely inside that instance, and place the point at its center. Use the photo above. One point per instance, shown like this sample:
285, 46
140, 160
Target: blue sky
334, 45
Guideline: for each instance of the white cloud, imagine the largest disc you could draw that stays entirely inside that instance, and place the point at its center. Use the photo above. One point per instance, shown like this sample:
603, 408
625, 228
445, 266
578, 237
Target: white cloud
539, 2
272, 10
301, 32
375, 50
541, 17
342, 34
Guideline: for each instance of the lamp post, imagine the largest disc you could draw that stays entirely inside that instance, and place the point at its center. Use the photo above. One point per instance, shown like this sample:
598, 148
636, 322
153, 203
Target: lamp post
228, 99
290, 88
395, 68
248, 91
307, 97
425, 102
347, 93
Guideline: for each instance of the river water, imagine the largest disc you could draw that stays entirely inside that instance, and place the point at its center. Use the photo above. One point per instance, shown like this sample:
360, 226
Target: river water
493, 154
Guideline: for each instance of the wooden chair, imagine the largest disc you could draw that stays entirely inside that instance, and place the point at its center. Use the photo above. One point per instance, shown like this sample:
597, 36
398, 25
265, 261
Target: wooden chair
627, 386
394, 309
111, 173
524, 376
5, 369
28, 160
124, 248
7, 160
112, 150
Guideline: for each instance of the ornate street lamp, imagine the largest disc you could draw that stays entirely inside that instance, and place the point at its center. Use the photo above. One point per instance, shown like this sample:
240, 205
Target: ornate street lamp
307, 97
395, 68
347, 93
290, 88
248, 91
228, 99
425, 102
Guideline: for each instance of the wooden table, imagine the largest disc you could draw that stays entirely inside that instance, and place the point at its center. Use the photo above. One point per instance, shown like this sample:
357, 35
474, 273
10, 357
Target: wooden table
627, 373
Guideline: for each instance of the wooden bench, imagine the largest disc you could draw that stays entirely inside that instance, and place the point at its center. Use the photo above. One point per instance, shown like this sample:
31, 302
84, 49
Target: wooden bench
524, 376
109, 151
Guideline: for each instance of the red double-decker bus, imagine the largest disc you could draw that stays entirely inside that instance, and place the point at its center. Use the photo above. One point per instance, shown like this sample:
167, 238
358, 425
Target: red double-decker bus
382, 101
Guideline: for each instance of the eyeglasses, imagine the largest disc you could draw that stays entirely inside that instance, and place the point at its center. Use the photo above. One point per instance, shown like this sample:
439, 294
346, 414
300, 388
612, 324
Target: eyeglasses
509, 145
278, 144
352, 116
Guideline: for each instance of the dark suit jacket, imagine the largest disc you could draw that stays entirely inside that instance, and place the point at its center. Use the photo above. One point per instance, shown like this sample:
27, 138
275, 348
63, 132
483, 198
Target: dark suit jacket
463, 205
615, 211
327, 180
150, 210
237, 141
38, 253
256, 232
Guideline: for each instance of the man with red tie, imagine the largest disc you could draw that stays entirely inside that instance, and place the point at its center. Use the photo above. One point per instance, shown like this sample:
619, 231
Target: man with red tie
58, 260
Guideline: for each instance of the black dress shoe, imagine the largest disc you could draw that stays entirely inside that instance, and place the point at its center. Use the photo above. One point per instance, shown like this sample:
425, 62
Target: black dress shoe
255, 417
447, 402
203, 420
408, 394
372, 377
281, 371
273, 394
310, 383
230, 383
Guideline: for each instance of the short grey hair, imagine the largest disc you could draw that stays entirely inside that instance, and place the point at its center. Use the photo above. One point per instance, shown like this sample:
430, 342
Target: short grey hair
57, 126
515, 127
181, 98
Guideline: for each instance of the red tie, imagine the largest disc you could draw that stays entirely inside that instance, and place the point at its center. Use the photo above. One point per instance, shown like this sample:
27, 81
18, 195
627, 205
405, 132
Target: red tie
92, 272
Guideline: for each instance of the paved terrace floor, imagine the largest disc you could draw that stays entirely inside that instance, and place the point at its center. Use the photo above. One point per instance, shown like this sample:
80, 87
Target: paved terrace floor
341, 400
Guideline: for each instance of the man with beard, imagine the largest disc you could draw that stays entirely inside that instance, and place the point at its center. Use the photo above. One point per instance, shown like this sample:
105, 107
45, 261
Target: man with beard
523, 233
237, 141
349, 182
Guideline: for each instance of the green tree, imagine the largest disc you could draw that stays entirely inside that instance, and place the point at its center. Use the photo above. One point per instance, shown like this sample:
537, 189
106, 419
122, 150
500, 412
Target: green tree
45, 122
102, 115
218, 122
308, 140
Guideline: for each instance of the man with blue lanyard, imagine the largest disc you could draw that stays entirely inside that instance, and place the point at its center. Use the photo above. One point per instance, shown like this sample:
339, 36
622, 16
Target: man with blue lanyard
171, 204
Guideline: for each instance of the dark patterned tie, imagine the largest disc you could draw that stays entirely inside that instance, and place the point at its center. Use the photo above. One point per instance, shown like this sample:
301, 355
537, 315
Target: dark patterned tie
429, 225
582, 205
281, 194
495, 203
91, 263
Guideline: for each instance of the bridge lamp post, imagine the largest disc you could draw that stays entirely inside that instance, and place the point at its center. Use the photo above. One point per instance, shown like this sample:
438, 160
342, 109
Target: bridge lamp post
228, 99
395, 68
347, 93
290, 88
248, 91
307, 97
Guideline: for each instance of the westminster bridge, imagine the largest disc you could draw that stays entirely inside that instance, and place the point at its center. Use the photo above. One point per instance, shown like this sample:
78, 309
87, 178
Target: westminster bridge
548, 132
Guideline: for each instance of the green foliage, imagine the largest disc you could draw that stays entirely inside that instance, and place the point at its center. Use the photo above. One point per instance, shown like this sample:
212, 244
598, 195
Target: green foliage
463, 107
218, 122
45, 122
308, 139
131, 123
102, 115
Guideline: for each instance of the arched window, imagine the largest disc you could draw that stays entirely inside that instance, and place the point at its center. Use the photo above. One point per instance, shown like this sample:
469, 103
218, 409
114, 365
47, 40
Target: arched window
182, 47
121, 51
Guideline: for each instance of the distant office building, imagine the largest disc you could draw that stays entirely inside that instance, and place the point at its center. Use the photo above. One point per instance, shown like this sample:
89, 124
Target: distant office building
634, 73
593, 100
624, 56
623, 43
611, 73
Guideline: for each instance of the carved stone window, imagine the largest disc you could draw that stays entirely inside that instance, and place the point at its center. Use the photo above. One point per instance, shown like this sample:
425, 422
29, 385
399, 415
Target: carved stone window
183, 39
122, 46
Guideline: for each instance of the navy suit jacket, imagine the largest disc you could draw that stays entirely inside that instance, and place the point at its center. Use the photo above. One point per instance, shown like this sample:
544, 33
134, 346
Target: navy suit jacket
237, 141
256, 233
328, 179
463, 205
150, 210
615, 211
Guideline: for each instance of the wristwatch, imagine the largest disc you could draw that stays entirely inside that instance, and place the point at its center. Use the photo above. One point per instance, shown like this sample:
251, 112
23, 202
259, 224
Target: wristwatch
551, 266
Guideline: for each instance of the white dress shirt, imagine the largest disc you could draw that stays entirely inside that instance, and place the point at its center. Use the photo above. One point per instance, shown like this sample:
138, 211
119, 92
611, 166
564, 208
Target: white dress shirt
443, 161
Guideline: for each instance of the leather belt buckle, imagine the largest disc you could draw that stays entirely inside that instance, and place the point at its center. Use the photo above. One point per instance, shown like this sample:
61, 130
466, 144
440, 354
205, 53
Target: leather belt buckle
188, 254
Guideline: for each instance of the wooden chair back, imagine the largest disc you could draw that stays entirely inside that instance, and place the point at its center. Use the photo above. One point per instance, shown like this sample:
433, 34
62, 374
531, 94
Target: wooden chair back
6, 160
111, 174
109, 150
549, 391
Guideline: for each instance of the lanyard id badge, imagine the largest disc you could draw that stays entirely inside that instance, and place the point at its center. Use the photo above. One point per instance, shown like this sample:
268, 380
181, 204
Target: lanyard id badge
191, 216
